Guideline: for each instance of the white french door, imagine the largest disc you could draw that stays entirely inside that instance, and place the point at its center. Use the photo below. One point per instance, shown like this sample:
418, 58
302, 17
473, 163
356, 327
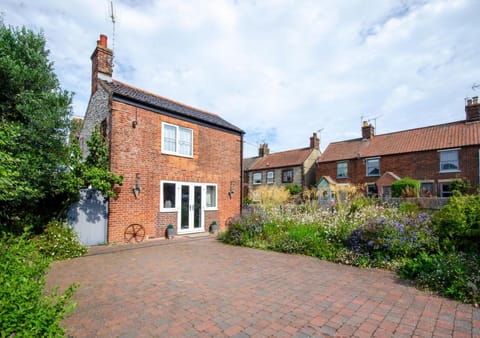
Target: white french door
190, 217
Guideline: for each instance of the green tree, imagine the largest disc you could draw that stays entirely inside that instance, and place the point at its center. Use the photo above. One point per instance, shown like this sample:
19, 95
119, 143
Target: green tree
40, 174
34, 118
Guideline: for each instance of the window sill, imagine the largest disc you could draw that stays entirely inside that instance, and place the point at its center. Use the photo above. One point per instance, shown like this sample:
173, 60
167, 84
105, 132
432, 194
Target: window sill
449, 171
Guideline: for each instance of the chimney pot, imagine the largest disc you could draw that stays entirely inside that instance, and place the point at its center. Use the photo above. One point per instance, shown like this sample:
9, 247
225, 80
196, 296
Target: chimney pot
472, 109
103, 40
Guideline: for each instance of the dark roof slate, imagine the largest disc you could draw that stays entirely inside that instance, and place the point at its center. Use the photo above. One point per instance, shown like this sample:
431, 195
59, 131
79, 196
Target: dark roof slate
162, 103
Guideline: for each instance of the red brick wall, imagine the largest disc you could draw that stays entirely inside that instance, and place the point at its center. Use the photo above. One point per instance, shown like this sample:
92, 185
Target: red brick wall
217, 159
420, 166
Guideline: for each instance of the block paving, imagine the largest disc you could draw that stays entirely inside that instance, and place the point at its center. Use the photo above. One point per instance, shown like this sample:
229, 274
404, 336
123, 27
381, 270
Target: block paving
199, 287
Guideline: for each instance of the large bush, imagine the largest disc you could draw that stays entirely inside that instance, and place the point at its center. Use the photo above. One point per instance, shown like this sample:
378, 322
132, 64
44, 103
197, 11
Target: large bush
25, 309
458, 223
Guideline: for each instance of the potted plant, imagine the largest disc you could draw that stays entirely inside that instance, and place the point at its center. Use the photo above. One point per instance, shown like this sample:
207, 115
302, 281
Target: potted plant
170, 231
213, 227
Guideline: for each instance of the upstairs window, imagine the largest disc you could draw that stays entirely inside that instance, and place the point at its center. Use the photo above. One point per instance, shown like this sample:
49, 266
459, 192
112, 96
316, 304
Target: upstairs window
449, 161
270, 177
177, 140
342, 169
287, 176
373, 166
257, 178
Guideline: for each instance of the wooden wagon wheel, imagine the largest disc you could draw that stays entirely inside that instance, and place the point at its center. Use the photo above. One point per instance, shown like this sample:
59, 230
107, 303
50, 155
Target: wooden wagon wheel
135, 232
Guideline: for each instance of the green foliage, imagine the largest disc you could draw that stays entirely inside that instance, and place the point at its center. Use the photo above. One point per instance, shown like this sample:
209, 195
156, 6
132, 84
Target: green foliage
293, 189
461, 186
454, 274
409, 208
34, 119
59, 241
384, 240
458, 223
406, 187
25, 309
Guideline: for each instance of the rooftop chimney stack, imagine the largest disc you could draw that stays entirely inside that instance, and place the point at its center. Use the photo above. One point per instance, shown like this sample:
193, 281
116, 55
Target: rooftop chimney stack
263, 150
102, 63
314, 142
368, 131
472, 109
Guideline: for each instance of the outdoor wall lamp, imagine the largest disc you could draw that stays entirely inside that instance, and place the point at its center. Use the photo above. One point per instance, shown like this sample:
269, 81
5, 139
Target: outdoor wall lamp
231, 191
137, 188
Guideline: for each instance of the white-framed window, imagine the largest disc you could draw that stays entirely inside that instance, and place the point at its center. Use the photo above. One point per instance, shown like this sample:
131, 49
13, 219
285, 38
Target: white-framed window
449, 161
177, 140
287, 176
373, 166
168, 196
342, 169
445, 189
211, 197
257, 178
270, 177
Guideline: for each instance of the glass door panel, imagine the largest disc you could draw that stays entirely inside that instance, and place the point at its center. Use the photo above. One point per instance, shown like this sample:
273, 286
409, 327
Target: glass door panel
197, 207
185, 209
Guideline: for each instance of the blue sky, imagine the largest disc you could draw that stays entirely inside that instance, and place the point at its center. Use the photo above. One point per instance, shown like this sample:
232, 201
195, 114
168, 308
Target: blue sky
278, 69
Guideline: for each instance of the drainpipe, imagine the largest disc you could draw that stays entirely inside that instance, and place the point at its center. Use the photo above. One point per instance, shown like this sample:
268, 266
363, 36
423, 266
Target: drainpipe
479, 168
241, 171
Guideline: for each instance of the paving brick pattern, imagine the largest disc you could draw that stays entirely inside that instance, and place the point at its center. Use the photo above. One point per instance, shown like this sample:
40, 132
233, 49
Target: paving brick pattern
201, 287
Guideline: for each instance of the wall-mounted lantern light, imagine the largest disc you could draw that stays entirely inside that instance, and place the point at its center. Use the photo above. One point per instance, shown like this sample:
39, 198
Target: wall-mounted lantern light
137, 188
231, 191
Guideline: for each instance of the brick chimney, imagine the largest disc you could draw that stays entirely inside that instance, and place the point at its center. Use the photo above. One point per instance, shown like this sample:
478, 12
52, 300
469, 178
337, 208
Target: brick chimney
472, 109
314, 142
263, 150
102, 63
368, 131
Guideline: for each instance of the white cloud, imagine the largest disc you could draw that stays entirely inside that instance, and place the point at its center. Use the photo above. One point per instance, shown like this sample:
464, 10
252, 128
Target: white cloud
278, 69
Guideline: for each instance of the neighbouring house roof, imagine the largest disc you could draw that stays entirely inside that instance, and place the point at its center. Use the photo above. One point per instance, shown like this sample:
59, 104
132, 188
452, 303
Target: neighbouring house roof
249, 162
122, 90
442, 136
280, 159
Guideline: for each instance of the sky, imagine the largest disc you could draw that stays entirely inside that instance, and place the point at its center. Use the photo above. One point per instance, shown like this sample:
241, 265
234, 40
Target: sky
278, 69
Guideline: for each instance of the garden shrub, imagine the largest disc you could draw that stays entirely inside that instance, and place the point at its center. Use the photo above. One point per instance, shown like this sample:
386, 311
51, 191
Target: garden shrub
244, 230
25, 309
59, 241
293, 189
406, 187
384, 240
458, 223
454, 274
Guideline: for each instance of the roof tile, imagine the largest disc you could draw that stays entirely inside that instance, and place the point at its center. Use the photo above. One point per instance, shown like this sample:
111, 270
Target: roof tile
442, 136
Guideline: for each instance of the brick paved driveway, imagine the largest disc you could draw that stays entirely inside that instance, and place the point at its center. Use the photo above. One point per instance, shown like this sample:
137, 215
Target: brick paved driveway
204, 288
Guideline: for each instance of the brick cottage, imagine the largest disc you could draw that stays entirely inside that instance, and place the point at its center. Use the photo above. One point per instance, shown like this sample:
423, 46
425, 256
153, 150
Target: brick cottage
181, 165
435, 155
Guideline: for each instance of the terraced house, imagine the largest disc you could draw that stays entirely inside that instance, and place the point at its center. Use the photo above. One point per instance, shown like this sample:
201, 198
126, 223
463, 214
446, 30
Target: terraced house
296, 166
181, 165
436, 156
